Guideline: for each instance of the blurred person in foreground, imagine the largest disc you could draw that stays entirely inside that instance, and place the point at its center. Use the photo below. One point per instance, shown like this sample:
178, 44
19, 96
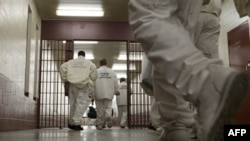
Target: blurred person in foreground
181, 72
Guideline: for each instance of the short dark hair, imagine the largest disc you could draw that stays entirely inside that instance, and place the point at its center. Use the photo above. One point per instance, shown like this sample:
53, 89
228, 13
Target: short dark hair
81, 53
103, 62
122, 79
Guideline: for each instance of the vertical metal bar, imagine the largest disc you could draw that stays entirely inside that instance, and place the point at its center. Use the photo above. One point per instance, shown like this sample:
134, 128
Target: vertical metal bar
63, 106
48, 84
45, 83
134, 95
129, 87
40, 85
57, 84
142, 102
60, 48
55, 103
69, 55
51, 85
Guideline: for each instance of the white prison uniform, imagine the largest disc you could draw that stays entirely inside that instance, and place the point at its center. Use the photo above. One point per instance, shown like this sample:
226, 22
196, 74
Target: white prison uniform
80, 73
242, 7
154, 113
207, 33
165, 28
79, 101
208, 29
106, 85
121, 101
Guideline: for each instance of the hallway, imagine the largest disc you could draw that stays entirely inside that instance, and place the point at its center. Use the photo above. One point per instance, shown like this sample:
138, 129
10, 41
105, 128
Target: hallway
88, 134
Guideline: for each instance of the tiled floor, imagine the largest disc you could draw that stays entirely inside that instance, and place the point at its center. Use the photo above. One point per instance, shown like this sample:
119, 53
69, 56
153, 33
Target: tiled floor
88, 134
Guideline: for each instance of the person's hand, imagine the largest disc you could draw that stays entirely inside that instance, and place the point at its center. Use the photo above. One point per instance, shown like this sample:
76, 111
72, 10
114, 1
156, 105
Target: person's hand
117, 93
90, 96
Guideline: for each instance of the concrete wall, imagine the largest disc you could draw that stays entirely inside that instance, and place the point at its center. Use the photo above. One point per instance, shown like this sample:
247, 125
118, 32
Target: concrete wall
17, 111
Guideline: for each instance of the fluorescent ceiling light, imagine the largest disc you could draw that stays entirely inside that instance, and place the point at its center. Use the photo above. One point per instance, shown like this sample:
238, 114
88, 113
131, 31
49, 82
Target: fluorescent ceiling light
85, 42
79, 6
89, 56
79, 13
77, 9
122, 67
120, 75
119, 67
131, 57
122, 57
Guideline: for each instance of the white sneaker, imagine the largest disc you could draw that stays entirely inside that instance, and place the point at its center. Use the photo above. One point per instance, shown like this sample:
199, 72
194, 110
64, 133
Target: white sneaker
219, 101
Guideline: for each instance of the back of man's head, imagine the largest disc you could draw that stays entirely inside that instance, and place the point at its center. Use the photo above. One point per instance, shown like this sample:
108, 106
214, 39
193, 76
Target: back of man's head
81, 53
122, 79
103, 62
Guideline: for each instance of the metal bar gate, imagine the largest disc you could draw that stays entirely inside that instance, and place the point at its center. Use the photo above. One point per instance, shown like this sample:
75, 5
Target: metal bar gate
139, 102
53, 104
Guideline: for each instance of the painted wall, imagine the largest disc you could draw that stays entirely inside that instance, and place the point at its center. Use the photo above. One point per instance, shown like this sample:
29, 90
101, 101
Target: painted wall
76, 30
17, 111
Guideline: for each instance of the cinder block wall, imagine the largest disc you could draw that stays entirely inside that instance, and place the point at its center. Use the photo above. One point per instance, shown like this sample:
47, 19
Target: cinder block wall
17, 111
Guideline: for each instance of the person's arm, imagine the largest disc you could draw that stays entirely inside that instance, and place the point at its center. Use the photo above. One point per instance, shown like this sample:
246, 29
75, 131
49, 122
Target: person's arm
116, 85
63, 71
63, 74
242, 7
93, 72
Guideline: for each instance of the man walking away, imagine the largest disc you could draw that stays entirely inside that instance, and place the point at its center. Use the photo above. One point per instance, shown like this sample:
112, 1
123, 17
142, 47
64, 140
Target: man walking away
80, 73
106, 86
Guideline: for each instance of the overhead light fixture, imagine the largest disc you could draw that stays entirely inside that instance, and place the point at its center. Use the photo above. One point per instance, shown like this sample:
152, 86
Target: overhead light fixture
120, 75
85, 42
79, 13
131, 57
119, 67
122, 67
122, 57
76, 9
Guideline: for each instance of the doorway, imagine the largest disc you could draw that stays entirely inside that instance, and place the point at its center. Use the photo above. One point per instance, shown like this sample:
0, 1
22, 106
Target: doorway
122, 56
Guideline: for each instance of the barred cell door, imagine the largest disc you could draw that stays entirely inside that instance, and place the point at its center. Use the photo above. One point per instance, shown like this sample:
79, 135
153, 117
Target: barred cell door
53, 104
138, 102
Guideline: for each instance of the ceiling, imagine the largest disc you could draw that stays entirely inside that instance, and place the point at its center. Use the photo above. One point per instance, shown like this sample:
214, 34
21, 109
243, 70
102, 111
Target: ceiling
114, 10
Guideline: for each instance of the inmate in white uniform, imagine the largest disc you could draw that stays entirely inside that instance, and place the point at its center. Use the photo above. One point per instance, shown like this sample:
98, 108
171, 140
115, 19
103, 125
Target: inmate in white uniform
80, 73
121, 101
206, 39
165, 28
106, 86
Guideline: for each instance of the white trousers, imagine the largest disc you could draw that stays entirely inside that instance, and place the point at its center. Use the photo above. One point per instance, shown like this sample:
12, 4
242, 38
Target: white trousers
165, 28
79, 101
122, 114
207, 34
154, 113
104, 111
